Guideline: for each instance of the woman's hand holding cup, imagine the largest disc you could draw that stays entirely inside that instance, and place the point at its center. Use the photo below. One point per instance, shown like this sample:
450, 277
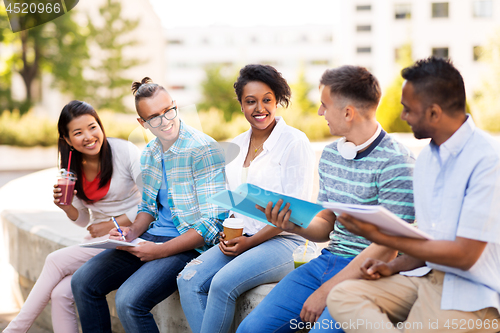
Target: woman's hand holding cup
57, 198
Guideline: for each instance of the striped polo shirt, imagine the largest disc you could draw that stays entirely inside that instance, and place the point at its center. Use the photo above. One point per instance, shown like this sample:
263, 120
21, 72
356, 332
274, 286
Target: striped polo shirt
380, 175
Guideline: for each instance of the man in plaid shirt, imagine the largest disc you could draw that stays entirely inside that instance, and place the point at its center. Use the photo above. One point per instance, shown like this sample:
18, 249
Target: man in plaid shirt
181, 169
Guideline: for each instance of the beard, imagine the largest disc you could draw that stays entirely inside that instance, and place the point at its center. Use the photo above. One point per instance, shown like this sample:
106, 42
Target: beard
419, 133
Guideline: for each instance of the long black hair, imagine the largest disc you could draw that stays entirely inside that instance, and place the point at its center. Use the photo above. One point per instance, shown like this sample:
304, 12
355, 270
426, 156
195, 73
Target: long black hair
72, 110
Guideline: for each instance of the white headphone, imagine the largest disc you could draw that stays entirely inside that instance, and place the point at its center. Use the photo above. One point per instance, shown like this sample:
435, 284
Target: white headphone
349, 150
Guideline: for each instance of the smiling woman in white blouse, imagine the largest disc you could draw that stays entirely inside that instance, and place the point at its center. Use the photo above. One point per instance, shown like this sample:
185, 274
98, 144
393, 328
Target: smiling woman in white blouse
276, 157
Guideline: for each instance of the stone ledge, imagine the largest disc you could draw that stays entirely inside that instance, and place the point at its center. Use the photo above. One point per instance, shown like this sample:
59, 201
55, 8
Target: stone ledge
31, 236
32, 227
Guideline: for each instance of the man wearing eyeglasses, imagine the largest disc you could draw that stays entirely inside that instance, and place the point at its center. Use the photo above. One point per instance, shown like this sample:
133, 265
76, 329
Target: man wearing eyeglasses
159, 115
181, 169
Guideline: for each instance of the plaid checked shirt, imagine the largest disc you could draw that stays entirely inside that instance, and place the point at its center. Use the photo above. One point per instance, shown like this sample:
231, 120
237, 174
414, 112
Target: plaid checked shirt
194, 165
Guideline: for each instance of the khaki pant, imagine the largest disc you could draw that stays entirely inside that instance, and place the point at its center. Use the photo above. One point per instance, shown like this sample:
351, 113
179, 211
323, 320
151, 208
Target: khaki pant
403, 304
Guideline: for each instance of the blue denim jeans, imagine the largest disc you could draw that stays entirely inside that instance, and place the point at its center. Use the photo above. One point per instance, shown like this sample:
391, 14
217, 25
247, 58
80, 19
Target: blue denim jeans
210, 284
141, 285
280, 309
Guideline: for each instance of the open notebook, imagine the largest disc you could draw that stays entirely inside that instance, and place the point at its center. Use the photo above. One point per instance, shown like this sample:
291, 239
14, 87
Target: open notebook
385, 220
111, 243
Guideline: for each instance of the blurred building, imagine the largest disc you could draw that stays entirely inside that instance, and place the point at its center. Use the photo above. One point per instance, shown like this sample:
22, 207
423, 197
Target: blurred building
290, 49
372, 31
362, 32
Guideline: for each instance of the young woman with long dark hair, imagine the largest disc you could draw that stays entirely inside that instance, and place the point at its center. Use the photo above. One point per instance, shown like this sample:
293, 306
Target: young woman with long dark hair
107, 170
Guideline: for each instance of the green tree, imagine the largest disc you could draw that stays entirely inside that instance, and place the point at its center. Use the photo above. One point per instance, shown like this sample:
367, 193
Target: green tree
300, 95
109, 81
389, 110
58, 47
487, 107
218, 92
6, 102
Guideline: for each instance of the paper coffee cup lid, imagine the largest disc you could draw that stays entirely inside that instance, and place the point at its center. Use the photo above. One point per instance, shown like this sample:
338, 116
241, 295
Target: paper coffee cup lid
233, 223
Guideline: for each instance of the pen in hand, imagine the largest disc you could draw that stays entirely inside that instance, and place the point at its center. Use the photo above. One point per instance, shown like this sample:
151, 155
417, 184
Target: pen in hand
118, 228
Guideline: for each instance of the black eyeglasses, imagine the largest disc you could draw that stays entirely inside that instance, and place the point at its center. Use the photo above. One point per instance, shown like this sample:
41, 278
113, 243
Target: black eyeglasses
168, 114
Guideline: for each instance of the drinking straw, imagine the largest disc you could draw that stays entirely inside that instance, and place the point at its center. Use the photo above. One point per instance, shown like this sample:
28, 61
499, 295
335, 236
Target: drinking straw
69, 161
305, 249
67, 176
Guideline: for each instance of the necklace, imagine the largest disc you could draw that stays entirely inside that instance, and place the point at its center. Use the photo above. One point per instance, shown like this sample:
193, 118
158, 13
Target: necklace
256, 149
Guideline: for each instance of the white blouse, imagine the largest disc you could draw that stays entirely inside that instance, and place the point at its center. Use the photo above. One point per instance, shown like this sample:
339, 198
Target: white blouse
286, 165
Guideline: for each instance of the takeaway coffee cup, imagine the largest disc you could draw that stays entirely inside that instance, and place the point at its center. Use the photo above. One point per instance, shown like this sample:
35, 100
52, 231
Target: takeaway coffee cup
233, 227
66, 182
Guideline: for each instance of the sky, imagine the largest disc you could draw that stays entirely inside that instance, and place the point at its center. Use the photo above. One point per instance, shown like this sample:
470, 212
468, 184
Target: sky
238, 13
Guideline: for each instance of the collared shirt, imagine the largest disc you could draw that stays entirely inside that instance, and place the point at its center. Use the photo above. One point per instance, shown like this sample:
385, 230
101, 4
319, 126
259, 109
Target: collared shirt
286, 165
195, 167
457, 193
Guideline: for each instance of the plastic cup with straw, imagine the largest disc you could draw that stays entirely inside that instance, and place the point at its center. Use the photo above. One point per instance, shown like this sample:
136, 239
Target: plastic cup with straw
67, 178
67, 182
303, 254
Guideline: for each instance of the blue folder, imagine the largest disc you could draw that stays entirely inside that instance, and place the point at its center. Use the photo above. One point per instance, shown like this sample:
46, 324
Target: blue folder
246, 196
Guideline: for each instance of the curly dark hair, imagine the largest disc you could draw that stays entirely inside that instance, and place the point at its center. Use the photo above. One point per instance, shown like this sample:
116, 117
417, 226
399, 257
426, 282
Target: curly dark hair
437, 81
268, 75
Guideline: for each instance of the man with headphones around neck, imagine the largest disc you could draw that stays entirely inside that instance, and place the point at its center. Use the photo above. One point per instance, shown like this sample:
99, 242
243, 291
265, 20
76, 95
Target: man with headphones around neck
366, 166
